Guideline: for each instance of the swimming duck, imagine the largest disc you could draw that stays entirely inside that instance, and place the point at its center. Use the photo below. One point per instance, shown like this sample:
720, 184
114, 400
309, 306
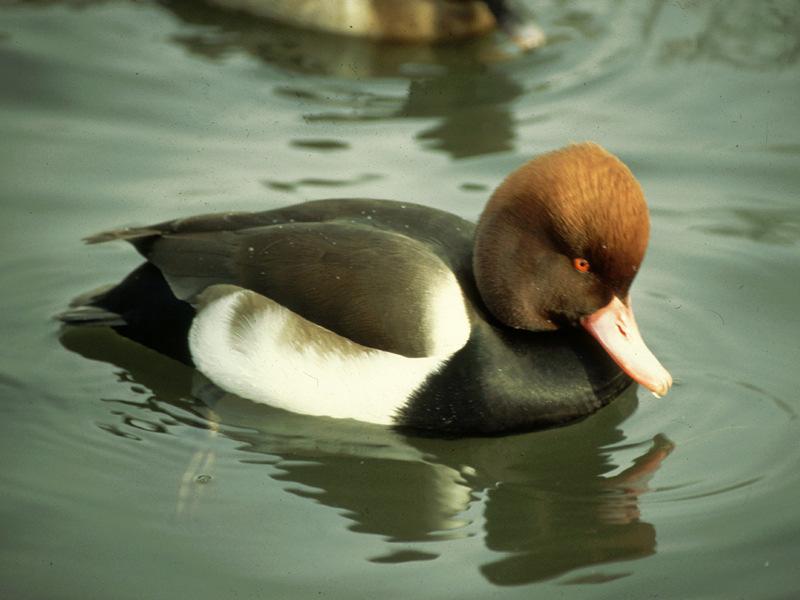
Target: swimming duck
401, 314
406, 21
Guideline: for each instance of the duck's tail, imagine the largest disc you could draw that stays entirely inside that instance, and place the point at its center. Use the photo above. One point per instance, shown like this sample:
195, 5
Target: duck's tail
88, 309
142, 308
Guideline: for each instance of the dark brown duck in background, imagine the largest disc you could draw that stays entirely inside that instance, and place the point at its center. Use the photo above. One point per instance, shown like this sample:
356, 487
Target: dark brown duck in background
404, 21
401, 314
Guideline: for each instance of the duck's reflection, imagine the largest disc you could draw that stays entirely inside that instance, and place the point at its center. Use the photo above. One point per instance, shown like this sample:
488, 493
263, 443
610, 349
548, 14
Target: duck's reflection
474, 106
549, 504
455, 83
217, 32
571, 516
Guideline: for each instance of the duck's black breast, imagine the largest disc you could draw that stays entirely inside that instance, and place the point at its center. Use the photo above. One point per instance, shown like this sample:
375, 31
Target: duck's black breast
504, 380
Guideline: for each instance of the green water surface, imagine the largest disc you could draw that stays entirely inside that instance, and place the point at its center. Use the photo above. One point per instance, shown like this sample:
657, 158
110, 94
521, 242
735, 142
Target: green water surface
125, 476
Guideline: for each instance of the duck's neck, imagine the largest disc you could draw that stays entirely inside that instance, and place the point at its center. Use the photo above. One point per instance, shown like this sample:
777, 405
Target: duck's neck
511, 263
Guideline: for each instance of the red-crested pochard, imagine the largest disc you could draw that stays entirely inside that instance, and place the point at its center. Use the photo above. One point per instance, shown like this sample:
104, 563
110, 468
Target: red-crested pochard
402, 314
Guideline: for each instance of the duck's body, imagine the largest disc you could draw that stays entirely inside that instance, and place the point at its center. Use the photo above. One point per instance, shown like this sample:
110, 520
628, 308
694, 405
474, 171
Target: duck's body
364, 309
407, 21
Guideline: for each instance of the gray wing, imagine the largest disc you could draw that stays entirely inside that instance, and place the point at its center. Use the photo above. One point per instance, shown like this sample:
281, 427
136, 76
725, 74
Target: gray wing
380, 289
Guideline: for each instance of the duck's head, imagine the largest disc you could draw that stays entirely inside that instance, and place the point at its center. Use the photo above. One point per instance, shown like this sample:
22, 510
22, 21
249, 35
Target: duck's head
559, 244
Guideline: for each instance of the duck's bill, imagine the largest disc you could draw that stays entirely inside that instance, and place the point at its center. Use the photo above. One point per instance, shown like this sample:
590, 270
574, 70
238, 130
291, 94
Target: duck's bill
615, 328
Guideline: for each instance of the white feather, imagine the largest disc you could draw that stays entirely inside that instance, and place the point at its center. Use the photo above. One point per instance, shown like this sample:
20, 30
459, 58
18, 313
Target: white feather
321, 373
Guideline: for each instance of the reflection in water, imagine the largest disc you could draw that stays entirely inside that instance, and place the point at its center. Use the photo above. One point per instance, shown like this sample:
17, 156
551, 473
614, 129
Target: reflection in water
401, 500
473, 105
469, 96
290, 186
465, 92
571, 519
748, 35
763, 225
320, 145
550, 505
221, 32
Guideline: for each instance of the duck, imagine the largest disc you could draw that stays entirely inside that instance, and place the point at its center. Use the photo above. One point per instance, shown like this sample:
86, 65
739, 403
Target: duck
409, 21
400, 314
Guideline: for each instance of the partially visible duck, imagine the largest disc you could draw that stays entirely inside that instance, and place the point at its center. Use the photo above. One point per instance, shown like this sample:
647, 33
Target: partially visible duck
401, 314
400, 20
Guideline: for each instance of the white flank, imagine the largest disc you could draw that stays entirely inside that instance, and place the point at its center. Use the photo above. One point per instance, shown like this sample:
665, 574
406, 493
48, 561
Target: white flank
445, 318
320, 374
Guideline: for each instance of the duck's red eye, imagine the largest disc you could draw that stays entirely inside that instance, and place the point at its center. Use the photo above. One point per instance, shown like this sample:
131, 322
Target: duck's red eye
580, 264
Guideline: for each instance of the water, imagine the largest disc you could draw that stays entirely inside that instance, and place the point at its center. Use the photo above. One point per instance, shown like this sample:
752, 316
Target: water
125, 477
